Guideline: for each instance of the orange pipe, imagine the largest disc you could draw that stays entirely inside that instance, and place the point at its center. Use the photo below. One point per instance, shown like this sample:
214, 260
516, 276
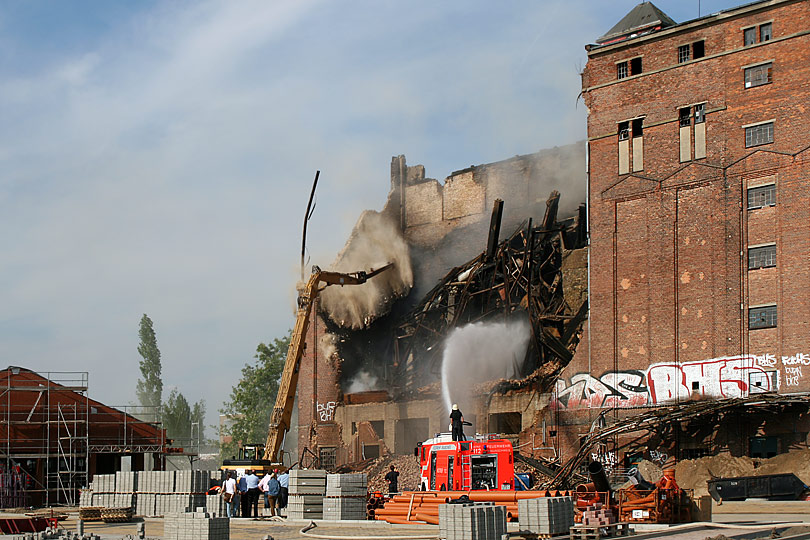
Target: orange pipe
398, 521
433, 520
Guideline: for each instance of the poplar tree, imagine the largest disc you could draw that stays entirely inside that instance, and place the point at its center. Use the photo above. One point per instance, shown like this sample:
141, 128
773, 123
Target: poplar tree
150, 386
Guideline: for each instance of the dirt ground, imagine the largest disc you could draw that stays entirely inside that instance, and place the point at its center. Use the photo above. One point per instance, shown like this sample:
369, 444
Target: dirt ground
694, 473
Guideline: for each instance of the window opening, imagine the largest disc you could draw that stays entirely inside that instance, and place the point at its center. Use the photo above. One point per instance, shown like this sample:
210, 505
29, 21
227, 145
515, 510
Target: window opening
750, 36
699, 49
624, 131
700, 113
765, 32
621, 70
759, 75
762, 317
683, 54
635, 66
327, 455
761, 257
761, 196
759, 135
684, 117
638, 127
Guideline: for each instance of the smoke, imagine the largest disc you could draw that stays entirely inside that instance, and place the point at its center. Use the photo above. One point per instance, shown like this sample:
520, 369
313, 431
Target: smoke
363, 381
327, 345
481, 352
374, 242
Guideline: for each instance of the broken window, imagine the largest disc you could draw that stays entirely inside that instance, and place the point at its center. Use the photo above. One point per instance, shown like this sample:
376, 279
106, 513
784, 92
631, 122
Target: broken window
759, 75
762, 317
700, 113
635, 66
683, 54
765, 32
624, 147
509, 423
762, 257
379, 428
624, 131
698, 49
759, 134
685, 117
371, 451
761, 196
621, 70
638, 144
749, 36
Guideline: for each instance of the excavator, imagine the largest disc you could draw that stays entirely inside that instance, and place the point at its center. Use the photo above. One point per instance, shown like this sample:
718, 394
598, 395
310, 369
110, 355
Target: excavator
282, 411
249, 455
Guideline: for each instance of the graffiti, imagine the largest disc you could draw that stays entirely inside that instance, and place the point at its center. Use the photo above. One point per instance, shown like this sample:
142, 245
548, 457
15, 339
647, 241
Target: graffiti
800, 359
656, 456
724, 377
792, 376
609, 460
326, 411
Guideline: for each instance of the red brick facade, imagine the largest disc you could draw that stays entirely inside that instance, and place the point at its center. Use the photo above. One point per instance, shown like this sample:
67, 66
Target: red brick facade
670, 285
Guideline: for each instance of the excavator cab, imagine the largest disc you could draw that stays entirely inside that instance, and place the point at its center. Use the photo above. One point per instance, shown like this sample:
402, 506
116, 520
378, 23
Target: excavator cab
250, 458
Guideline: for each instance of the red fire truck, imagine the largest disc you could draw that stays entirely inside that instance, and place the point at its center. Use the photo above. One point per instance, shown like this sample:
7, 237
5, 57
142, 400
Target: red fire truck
477, 464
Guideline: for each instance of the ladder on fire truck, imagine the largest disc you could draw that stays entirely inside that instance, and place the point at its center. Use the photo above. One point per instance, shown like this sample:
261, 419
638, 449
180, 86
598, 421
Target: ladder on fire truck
466, 472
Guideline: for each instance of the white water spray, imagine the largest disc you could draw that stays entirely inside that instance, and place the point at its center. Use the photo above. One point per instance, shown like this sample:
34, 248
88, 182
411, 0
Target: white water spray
481, 352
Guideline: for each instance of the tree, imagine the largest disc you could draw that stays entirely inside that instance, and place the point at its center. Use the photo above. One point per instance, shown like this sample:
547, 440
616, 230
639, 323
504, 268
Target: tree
178, 417
150, 386
252, 399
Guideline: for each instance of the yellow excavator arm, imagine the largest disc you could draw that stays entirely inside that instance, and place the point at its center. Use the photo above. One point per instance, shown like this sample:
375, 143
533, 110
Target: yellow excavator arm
282, 411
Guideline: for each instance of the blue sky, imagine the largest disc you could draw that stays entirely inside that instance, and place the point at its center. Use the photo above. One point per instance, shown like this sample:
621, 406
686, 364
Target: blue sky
156, 157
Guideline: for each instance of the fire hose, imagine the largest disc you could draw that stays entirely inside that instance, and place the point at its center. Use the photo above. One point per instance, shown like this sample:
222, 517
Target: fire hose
355, 537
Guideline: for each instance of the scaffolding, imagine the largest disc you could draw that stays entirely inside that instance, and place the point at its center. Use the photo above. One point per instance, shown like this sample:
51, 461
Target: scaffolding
49, 446
45, 439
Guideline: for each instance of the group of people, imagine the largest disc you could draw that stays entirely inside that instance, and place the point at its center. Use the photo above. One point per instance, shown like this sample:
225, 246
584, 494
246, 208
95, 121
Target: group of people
242, 494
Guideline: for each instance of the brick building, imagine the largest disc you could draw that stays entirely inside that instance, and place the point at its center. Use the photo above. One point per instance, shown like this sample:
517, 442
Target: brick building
699, 217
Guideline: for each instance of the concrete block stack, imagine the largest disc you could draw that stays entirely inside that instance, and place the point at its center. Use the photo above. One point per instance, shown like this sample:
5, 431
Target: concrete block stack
125, 488
307, 489
546, 515
345, 496
472, 521
199, 525
597, 515
103, 488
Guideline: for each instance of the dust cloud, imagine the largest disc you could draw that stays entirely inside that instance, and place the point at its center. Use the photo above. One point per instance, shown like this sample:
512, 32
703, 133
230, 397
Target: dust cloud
363, 381
374, 242
481, 352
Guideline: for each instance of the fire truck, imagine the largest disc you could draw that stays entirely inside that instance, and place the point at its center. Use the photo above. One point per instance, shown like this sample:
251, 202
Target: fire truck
483, 463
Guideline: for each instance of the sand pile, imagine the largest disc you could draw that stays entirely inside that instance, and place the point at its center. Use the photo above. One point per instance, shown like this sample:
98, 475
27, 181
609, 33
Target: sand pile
694, 473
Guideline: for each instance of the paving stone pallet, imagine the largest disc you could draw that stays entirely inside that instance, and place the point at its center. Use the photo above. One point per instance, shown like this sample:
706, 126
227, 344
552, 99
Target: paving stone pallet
546, 515
199, 525
472, 521
581, 532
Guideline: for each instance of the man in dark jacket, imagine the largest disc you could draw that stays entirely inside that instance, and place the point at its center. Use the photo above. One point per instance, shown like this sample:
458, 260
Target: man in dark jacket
393, 481
457, 423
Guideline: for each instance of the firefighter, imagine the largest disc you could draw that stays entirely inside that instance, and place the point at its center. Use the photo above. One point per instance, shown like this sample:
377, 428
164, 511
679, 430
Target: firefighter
457, 423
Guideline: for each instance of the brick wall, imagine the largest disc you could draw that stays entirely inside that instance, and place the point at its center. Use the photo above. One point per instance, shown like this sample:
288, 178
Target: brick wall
670, 284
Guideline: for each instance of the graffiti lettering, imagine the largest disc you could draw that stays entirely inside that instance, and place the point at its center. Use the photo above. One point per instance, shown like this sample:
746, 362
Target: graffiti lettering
792, 376
724, 377
800, 359
608, 460
326, 411
659, 457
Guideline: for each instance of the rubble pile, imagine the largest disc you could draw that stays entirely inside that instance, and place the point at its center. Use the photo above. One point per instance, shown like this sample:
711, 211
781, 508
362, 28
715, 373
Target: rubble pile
408, 467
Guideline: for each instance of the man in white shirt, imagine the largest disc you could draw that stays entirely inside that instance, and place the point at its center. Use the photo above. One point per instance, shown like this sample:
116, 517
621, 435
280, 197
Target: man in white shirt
230, 495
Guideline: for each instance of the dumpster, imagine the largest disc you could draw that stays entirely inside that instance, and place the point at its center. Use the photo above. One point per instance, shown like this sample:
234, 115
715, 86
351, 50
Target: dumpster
782, 487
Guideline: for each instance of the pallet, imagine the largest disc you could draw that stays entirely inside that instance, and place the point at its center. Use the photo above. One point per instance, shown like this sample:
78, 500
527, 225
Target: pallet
116, 515
595, 532
90, 513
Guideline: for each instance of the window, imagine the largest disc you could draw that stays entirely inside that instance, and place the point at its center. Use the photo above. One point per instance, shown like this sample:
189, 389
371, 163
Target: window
759, 134
621, 70
684, 117
624, 131
698, 49
761, 257
683, 54
635, 66
765, 32
700, 113
761, 196
762, 317
327, 456
759, 75
638, 144
750, 36
638, 127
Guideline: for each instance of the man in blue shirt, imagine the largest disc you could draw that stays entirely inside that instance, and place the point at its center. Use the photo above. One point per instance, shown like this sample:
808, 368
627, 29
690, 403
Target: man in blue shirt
253, 493
284, 482
243, 495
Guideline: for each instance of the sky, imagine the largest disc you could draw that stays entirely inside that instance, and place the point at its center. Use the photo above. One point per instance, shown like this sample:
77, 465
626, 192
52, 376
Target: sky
156, 157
